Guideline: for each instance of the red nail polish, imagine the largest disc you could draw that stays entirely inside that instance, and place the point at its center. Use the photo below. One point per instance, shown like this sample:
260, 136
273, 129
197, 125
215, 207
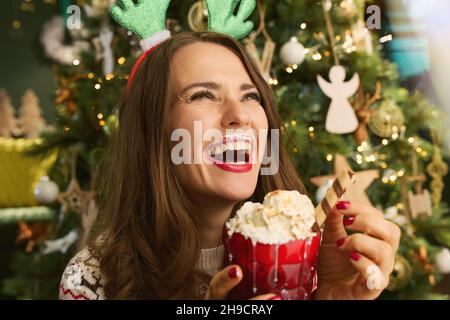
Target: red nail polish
340, 242
275, 298
355, 256
233, 273
342, 205
349, 220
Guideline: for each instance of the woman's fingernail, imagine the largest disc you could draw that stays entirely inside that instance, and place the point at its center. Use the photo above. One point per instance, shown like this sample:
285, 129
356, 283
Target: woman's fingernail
233, 273
275, 298
340, 242
342, 205
348, 220
355, 256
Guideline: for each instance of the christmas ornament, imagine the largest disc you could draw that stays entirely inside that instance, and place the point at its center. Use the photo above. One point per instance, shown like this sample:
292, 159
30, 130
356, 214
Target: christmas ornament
46, 191
341, 117
387, 120
62, 244
417, 203
393, 215
74, 198
401, 275
437, 169
442, 259
8, 125
264, 64
356, 191
52, 40
105, 38
31, 234
363, 113
30, 122
198, 17
292, 52
322, 191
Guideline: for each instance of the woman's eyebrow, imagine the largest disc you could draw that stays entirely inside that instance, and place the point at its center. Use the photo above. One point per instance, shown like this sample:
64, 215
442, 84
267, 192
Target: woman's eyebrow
215, 86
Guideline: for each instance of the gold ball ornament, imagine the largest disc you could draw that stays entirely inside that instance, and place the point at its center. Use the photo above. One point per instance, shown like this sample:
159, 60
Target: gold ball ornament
401, 274
387, 120
198, 17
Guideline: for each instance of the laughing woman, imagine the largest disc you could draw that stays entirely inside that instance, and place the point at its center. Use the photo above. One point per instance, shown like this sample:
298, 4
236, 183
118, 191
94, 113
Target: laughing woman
160, 232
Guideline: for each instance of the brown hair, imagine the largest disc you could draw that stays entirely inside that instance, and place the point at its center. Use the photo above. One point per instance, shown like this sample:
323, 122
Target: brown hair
150, 245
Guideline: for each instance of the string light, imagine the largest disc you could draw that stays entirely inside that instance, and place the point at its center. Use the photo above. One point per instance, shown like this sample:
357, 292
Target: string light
386, 38
100, 116
76, 62
329, 157
303, 26
102, 122
311, 129
109, 76
395, 136
385, 142
295, 150
383, 165
401, 173
317, 56
273, 82
293, 123
289, 70
411, 140
294, 66
121, 60
90, 75
97, 86
16, 24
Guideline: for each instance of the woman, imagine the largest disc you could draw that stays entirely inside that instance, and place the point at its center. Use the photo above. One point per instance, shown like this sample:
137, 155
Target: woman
162, 223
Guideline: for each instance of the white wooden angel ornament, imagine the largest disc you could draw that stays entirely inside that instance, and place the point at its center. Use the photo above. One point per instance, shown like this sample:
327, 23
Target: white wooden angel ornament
341, 117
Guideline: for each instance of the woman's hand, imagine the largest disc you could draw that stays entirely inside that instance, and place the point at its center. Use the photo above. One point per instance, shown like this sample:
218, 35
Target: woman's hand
225, 280
356, 266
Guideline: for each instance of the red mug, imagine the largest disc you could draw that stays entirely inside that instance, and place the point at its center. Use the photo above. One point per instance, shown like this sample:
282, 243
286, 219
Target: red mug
288, 270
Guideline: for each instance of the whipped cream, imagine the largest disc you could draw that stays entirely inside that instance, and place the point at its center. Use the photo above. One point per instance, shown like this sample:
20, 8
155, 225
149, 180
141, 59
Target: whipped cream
282, 217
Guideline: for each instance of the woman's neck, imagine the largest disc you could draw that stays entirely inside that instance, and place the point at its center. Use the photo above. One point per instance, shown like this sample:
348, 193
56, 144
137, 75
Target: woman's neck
210, 225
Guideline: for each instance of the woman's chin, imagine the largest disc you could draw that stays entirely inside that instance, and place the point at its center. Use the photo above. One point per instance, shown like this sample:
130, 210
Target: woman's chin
237, 188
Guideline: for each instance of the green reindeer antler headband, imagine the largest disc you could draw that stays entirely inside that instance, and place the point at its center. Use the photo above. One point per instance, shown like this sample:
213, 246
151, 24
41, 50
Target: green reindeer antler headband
147, 19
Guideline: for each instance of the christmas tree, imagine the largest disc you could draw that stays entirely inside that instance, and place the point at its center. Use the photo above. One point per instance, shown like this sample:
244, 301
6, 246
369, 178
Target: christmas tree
7, 119
30, 120
305, 49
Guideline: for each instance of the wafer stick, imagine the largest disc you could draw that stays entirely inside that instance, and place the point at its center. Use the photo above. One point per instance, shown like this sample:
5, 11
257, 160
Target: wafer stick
334, 194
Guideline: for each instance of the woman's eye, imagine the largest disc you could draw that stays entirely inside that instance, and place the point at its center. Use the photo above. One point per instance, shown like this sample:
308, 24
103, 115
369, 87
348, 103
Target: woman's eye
203, 95
253, 96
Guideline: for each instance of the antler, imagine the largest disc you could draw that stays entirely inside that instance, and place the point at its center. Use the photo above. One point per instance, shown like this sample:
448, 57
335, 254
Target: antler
145, 18
221, 18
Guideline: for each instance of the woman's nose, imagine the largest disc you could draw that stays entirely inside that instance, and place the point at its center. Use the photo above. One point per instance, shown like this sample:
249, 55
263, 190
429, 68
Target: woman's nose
235, 115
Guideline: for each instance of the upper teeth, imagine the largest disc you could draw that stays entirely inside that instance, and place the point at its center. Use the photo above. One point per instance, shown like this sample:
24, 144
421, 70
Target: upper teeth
232, 146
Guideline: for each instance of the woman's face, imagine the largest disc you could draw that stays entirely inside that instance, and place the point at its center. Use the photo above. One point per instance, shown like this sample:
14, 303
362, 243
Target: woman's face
212, 93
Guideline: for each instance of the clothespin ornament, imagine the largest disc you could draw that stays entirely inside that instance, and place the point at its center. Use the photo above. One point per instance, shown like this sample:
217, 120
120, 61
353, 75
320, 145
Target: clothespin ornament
147, 20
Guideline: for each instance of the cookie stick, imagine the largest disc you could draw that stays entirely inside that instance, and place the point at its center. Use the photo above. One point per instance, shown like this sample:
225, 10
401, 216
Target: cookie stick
334, 193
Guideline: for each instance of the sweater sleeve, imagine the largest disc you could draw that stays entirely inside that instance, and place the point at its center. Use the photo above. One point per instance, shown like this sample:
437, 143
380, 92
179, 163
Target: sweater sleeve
82, 279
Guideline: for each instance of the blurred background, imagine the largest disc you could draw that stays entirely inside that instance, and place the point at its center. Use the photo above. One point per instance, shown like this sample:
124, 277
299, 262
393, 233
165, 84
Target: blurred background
64, 64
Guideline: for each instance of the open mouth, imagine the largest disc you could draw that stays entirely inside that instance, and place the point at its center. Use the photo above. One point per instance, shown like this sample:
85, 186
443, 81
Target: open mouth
233, 153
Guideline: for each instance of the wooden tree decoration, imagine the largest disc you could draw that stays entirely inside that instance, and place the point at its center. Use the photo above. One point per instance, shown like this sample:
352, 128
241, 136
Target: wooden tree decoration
264, 63
30, 121
8, 125
361, 105
437, 169
417, 203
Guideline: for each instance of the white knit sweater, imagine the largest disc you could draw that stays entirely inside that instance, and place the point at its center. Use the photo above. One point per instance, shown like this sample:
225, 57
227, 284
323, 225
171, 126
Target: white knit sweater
82, 279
